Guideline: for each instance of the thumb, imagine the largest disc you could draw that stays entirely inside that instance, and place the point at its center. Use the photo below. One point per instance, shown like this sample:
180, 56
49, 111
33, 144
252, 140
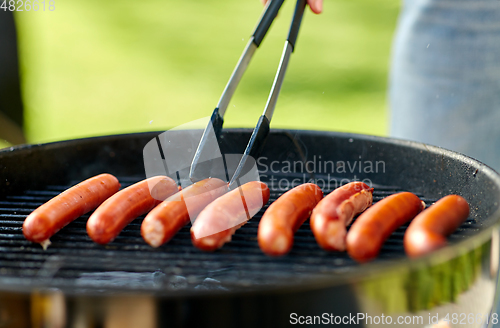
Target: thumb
316, 6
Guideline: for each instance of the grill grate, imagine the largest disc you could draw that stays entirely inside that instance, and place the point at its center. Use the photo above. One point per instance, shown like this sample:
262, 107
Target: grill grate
74, 261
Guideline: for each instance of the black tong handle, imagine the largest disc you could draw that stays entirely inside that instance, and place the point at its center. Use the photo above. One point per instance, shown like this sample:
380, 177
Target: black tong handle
297, 19
266, 20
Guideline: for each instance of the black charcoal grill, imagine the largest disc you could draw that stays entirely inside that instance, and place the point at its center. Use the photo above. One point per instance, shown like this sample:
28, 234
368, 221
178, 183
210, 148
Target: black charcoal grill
178, 285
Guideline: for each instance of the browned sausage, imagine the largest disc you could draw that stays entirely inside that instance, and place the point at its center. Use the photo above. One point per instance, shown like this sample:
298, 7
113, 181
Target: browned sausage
49, 218
220, 219
115, 213
369, 232
334, 212
429, 229
284, 217
166, 219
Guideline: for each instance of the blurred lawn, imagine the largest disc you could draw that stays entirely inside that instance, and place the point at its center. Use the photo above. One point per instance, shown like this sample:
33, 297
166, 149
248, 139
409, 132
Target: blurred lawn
104, 67
3, 144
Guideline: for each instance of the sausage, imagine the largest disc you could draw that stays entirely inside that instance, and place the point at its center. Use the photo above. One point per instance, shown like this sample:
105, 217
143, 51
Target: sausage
220, 219
52, 216
166, 219
284, 217
115, 213
429, 229
441, 324
369, 232
334, 212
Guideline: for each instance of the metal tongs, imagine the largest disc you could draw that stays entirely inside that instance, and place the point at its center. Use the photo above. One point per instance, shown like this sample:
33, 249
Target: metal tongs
261, 131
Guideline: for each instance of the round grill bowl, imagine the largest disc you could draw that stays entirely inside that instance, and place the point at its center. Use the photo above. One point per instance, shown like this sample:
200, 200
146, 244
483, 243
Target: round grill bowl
127, 283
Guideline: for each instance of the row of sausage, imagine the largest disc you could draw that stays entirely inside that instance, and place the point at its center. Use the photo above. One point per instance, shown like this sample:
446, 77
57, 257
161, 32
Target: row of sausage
220, 212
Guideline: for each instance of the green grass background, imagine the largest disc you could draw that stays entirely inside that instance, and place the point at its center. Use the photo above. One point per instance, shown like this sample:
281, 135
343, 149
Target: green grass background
105, 67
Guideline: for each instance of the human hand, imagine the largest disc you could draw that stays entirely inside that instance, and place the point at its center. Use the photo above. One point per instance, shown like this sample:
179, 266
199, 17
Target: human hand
315, 5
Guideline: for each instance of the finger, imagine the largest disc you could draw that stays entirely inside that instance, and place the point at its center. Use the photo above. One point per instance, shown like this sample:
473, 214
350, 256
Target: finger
263, 1
316, 6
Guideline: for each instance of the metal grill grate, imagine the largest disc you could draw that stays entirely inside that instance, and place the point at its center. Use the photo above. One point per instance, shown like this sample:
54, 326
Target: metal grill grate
74, 261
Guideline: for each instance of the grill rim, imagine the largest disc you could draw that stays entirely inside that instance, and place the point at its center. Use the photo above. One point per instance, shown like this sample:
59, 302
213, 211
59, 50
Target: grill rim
355, 274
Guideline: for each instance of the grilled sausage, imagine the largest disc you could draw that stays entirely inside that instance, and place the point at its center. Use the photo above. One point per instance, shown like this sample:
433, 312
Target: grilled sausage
220, 219
284, 217
166, 219
115, 213
369, 232
334, 212
429, 229
441, 324
52, 216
